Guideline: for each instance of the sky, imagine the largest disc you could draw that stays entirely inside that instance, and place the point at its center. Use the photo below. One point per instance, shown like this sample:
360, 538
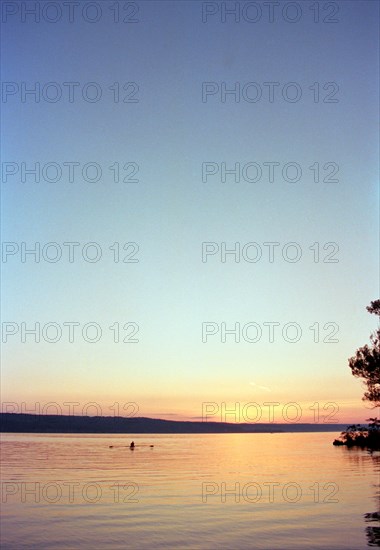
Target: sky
136, 160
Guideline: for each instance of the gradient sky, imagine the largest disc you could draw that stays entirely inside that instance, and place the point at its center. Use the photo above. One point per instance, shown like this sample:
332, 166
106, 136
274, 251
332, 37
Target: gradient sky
169, 212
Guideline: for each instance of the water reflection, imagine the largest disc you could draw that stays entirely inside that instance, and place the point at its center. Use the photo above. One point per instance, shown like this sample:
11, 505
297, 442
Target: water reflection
372, 531
194, 492
359, 460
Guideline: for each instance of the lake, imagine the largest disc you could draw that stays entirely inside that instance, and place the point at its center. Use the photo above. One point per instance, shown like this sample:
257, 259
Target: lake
209, 491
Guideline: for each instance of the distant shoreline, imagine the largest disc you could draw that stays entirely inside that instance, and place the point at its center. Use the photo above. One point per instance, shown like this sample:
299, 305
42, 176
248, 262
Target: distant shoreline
33, 423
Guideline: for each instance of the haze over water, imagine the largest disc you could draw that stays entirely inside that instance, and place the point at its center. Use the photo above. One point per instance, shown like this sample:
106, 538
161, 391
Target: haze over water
199, 492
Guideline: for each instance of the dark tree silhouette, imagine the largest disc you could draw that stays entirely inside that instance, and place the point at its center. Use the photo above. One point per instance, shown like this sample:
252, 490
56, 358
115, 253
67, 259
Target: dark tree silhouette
361, 436
366, 362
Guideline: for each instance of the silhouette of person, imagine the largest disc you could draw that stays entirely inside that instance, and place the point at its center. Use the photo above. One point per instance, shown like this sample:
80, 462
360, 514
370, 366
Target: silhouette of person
132, 445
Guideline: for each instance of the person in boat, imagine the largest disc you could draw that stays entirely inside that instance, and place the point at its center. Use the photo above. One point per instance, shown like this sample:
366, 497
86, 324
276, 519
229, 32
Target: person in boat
132, 445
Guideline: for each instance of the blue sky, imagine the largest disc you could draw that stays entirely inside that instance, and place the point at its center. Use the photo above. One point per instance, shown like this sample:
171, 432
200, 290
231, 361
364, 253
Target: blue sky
169, 212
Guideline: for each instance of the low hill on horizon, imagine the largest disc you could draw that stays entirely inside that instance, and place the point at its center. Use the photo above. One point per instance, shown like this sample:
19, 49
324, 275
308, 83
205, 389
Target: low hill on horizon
33, 423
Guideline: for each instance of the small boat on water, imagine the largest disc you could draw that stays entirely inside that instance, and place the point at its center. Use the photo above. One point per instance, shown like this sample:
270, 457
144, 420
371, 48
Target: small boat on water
132, 447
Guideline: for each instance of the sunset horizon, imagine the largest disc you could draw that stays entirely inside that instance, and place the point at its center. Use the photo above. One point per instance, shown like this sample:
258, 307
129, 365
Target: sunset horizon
190, 337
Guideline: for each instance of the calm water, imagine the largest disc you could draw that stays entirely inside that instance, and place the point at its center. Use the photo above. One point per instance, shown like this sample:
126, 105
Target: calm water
228, 491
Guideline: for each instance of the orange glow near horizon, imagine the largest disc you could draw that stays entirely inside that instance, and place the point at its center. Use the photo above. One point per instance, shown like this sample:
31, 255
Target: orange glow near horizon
265, 411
